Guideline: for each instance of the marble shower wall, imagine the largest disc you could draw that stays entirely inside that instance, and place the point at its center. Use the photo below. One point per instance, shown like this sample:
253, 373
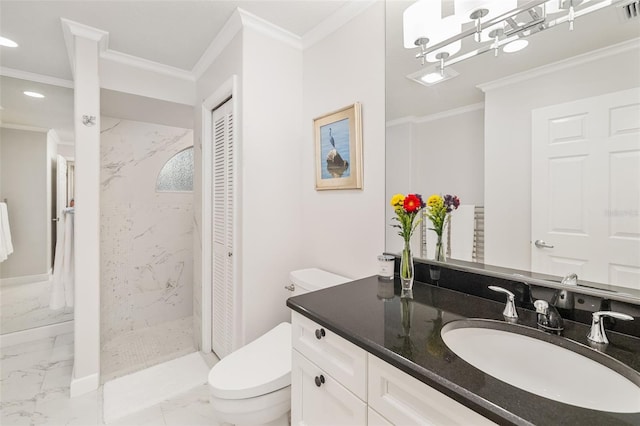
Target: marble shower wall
146, 236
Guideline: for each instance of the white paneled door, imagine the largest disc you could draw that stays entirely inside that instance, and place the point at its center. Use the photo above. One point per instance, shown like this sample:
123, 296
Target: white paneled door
586, 189
224, 295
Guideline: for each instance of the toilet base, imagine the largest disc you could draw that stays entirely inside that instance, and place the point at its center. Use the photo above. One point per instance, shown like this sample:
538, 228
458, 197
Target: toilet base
271, 409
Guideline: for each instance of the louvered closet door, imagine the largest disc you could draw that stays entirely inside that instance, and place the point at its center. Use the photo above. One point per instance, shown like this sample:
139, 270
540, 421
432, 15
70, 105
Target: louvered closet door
223, 192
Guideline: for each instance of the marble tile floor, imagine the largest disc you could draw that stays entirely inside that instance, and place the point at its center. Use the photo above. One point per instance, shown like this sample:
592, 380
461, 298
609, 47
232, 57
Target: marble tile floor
34, 390
25, 306
139, 349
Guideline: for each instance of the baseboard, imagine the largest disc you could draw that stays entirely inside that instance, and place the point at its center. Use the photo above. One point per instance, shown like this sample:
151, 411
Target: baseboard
26, 279
83, 385
52, 330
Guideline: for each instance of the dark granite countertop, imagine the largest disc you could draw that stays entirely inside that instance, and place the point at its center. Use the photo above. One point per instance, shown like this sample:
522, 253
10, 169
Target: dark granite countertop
369, 313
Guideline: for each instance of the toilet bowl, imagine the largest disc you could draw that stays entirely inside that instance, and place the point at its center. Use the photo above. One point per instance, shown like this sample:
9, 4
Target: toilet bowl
252, 386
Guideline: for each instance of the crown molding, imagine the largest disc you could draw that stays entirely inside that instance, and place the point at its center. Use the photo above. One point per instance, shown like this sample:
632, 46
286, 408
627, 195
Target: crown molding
39, 78
594, 55
26, 128
145, 64
71, 29
412, 119
265, 27
239, 20
221, 40
335, 21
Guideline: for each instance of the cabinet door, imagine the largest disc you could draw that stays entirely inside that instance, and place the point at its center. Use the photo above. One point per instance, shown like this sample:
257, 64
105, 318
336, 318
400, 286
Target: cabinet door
404, 400
375, 419
335, 355
324, 405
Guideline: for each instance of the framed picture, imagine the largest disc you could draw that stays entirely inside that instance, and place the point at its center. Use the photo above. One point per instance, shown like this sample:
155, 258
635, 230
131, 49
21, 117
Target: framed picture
338, 140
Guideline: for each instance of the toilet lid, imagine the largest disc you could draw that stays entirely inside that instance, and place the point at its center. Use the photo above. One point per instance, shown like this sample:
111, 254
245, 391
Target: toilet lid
258, 368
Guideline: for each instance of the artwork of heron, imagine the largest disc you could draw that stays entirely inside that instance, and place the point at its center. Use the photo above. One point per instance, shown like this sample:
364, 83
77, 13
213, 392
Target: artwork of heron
335, 149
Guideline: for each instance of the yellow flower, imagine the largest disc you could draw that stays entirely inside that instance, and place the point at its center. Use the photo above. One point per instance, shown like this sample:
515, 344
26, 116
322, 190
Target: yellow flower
435, 201
397, 200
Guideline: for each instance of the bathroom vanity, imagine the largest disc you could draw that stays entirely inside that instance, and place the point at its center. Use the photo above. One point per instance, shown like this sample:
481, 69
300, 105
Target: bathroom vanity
362, 354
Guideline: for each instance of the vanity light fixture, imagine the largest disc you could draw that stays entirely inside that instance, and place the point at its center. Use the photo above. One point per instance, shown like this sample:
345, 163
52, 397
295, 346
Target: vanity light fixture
7, 42
33, 94
439, 30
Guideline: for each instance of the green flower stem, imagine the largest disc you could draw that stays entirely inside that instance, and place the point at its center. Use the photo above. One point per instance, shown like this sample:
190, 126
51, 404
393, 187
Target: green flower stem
406, 266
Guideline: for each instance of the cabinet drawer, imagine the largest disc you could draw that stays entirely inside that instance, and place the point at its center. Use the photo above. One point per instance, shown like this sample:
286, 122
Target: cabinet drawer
404, 400
341, 359
321, 403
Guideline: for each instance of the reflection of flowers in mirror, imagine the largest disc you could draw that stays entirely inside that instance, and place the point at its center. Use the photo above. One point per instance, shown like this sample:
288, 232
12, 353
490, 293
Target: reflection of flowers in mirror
439, 209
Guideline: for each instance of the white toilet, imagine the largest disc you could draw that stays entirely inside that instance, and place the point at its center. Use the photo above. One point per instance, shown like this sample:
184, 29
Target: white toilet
252, 386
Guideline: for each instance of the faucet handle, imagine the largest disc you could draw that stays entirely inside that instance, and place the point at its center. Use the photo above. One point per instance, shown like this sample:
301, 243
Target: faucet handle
510, 308
542, 306
597, 333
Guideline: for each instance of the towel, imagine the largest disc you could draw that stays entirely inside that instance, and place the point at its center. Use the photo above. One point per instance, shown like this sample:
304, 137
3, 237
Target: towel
6, 246
62, 287
462, 231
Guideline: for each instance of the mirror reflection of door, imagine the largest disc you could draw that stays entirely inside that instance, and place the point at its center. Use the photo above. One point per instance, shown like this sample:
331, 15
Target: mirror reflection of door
586, 189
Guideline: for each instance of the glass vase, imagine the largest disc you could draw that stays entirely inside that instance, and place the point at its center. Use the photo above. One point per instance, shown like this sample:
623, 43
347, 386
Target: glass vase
406, 267
440, 253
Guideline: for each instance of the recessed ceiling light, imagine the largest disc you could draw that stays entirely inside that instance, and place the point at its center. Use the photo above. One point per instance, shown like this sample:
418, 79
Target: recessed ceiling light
515, 46
33, 94
7, 42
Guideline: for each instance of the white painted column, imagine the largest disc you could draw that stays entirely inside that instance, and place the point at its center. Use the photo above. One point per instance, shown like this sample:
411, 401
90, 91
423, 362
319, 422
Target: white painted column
85, 59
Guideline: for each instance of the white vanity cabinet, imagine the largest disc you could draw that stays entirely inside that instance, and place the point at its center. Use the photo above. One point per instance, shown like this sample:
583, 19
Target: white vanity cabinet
334, 382
328, 377
405, 400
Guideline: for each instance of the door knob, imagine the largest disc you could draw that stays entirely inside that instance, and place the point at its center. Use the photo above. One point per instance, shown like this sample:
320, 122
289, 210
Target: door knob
542, 244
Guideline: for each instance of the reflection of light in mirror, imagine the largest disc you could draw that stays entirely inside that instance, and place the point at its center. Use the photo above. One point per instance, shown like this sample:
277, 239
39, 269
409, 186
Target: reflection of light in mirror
33, 94
432, 77
515, 46
7, 42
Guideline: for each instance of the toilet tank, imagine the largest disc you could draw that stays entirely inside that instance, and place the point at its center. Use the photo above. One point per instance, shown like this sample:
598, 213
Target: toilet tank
306, 280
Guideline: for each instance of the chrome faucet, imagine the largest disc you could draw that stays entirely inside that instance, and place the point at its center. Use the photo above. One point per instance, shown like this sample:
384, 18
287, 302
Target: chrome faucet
510, 308
549, 318
564, 298
597, 333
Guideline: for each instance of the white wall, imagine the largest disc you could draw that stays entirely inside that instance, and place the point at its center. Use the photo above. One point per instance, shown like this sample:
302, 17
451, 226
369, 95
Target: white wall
23, 182
508, 145
344, 230
398, 167
457, 167
271, 152
86, 360
146, 236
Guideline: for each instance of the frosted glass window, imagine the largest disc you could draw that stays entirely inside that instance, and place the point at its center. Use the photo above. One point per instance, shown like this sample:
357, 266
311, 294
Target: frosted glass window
177, 173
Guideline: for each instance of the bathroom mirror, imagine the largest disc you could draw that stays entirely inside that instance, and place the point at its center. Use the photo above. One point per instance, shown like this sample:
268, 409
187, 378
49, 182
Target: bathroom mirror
36, 146
442, 138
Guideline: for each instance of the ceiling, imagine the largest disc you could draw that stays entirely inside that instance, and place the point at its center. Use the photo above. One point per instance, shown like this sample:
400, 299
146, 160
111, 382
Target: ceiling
177, 33
174, 33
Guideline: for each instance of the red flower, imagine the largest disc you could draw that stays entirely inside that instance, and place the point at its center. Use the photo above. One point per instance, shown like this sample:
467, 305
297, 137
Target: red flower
412, 203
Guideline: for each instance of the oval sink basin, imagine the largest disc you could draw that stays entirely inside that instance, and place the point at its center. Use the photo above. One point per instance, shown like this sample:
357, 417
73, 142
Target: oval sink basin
546, 365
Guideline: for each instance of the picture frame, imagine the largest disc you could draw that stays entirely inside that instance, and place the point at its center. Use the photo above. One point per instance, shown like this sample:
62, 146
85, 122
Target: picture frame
338, 149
